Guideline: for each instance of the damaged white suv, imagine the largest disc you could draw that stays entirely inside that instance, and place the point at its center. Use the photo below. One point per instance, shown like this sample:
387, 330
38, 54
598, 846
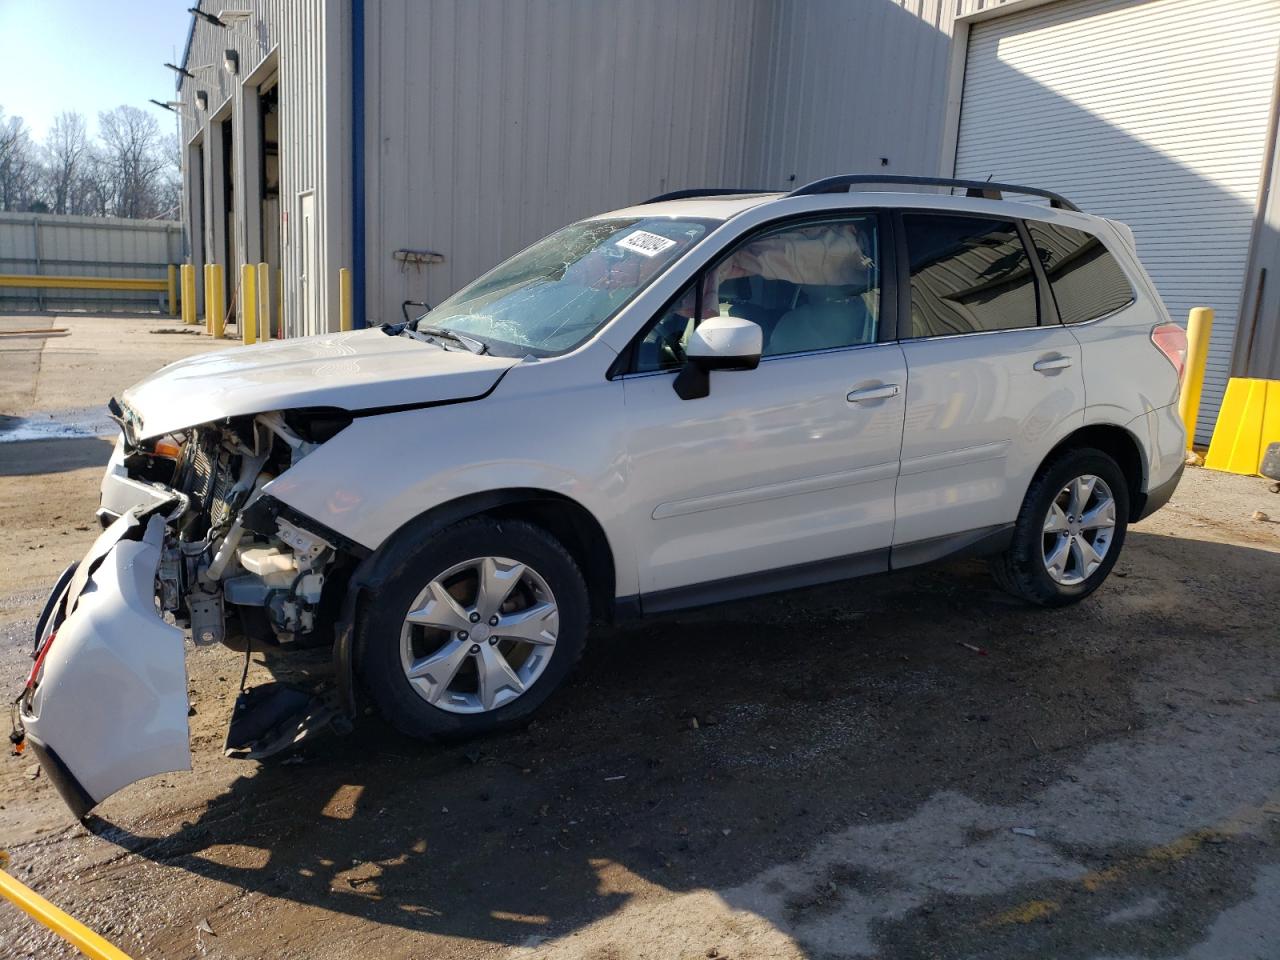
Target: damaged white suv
707, 396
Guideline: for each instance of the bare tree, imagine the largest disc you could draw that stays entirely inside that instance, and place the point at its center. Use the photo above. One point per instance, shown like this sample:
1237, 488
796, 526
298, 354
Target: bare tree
134, 159
18, 165
170, 192
130, 169
66, 154
93, 193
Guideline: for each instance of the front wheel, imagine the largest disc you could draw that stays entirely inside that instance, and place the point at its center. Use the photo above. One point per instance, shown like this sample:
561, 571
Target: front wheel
474, 630
1069, 531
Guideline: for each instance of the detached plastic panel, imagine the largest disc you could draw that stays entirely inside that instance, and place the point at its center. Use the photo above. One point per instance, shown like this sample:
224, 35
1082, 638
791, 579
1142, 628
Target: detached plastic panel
1248, 423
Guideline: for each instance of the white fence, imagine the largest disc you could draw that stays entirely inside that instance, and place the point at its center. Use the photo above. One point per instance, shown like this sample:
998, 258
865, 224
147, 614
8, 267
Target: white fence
42, 244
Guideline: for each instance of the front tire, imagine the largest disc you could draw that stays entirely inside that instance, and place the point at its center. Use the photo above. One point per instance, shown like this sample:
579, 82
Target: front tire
473, 630
1069, 531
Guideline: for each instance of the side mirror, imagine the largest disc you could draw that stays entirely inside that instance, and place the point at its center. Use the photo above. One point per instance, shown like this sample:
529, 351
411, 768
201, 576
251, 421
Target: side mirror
718, 343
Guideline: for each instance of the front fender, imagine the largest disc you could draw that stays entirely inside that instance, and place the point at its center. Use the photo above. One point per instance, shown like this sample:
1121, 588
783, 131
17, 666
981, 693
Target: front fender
536, 432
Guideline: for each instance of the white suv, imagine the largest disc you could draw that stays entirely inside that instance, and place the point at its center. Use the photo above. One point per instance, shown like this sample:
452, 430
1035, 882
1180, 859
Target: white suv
699, 398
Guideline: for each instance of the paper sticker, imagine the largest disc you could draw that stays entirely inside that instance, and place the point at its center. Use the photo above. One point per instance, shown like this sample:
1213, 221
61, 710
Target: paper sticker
645, 243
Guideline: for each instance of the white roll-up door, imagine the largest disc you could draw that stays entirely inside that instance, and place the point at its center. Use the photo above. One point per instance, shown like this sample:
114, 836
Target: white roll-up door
1155, 113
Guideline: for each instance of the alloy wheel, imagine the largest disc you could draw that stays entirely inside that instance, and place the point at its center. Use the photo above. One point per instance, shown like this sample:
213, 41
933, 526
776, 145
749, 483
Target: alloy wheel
1078, 529
479, 635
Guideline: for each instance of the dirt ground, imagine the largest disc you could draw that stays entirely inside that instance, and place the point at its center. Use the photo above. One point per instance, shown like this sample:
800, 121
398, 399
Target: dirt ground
830, 773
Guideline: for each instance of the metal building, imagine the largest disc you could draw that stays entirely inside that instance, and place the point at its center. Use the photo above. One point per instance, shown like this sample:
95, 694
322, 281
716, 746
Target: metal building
418, 142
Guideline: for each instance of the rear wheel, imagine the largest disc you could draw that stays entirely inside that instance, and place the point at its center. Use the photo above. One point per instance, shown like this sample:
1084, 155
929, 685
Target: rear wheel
1069, 531
474, 630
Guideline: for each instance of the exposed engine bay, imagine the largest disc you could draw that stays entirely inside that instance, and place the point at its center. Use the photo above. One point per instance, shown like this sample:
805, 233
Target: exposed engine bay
233, 569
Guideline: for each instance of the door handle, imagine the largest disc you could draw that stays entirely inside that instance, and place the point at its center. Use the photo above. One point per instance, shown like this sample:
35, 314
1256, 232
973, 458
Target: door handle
1051, 364
867, 394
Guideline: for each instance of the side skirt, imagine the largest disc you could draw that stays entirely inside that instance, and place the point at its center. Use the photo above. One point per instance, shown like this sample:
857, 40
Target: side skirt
970, 543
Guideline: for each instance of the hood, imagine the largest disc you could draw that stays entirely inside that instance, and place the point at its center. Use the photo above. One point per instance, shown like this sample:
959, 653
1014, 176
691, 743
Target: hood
360, 370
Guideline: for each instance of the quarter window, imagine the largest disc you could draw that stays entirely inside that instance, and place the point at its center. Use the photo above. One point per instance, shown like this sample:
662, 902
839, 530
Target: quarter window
1086, 280
968, 275
811, 286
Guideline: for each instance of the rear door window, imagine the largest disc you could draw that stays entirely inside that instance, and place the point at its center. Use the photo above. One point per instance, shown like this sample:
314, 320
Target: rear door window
1086, 280
968, 275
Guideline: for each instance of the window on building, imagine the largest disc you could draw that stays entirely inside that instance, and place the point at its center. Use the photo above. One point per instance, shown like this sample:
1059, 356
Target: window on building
968, 275
1086, 280
812, 286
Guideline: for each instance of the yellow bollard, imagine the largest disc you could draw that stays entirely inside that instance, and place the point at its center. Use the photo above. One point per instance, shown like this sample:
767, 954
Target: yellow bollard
219, 303
173, 290
344, 299
264, 300
1199, 326
208, 297
64, 925
248, 304
188, 294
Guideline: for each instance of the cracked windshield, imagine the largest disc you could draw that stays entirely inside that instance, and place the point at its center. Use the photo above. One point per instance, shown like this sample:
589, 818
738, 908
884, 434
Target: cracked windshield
557, 293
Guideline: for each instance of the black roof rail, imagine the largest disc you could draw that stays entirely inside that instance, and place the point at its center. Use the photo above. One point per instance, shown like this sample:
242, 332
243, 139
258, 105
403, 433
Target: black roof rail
973, 188
705, 192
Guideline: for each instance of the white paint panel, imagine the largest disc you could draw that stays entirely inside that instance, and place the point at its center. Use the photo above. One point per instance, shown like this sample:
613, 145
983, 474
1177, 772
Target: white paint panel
1153, 113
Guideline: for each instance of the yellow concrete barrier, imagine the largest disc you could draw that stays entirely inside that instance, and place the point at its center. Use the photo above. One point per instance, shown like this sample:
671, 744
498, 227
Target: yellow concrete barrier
344, 299
248, 301
82, 283
173, 290
264, 300
61, 923
189, 306
1199, 326
216, 328
1248, 422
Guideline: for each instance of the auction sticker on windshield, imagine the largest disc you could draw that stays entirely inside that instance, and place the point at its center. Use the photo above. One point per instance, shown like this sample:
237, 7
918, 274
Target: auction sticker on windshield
645, 243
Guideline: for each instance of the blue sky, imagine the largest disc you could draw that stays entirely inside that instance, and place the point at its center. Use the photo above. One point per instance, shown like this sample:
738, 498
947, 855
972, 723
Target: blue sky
87, 56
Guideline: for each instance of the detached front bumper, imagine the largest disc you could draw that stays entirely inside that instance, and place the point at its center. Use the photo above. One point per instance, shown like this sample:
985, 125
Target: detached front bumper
107, 704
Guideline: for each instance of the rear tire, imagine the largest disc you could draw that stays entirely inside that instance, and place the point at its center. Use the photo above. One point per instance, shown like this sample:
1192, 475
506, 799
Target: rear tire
1069, 531
473, 631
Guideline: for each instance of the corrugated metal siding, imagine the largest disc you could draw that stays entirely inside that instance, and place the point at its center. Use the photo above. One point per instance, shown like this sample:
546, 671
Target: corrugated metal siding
852, 83
492, 123
311, 45
51, 245
1152, 113
1258, 340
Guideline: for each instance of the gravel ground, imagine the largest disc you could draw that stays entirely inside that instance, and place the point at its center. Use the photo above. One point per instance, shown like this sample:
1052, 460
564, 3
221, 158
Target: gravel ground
828, 773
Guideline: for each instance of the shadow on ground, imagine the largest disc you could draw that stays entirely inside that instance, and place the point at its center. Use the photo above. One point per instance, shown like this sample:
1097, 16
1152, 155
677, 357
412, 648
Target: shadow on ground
25, 458
702, 751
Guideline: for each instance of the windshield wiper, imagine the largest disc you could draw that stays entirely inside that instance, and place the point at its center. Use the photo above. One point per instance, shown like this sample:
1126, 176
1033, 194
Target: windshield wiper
400, 330
434, 336
471, 343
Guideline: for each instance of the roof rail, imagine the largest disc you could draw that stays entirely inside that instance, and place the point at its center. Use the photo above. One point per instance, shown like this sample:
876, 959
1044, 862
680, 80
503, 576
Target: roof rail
973, 188
705, 192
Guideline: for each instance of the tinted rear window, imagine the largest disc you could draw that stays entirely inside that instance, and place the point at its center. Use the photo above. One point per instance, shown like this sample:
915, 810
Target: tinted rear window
1087, 281
968, 275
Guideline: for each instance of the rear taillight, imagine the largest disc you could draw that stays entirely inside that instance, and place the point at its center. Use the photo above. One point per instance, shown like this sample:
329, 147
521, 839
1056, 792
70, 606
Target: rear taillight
1171, 340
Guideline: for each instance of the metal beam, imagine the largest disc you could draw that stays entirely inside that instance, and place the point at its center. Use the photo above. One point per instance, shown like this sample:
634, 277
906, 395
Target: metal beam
82, 283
